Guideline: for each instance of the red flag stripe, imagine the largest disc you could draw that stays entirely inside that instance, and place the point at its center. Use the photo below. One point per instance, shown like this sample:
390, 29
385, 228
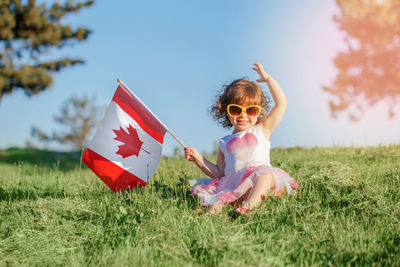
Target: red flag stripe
112, 175
146, 121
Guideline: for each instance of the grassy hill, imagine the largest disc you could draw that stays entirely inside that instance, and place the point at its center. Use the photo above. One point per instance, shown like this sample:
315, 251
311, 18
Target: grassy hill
53, 211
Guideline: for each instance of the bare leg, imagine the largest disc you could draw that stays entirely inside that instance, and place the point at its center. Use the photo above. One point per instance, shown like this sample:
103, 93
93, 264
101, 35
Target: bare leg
263, 185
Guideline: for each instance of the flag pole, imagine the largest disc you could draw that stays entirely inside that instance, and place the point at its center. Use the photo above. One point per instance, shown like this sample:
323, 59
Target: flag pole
165, 127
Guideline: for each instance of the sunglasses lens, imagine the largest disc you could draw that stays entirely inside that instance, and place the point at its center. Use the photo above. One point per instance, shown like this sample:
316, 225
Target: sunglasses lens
234, 110
253, 111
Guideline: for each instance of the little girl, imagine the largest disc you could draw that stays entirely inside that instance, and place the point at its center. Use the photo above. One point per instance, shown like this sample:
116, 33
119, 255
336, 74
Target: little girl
243, 175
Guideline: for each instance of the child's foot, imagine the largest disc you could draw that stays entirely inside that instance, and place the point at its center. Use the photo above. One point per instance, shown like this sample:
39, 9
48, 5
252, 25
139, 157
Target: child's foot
215, 209
240, 211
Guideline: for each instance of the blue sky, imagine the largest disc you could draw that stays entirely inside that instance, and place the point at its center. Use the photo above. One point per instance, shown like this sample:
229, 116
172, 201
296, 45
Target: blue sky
176, 55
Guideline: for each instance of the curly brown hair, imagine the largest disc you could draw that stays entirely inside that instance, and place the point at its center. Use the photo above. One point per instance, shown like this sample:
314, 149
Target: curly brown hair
241, 92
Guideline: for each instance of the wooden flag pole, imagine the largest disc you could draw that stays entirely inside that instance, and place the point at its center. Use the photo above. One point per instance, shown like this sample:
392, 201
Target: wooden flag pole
165, 127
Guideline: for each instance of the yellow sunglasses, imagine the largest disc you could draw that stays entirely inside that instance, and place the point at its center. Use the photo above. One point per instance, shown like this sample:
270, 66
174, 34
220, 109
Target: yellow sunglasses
237, 110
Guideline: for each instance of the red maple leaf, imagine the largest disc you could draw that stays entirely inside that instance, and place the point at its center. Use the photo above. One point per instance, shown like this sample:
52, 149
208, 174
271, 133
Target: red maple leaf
132, 143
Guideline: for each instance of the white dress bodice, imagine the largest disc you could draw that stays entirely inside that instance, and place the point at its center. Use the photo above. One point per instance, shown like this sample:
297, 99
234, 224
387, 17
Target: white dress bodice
244, 149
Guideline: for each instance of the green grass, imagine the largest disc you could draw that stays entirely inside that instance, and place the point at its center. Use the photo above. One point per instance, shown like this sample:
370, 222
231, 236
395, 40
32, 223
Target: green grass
346, 212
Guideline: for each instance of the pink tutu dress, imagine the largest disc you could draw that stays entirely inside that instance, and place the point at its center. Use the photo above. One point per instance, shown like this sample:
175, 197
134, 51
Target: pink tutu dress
246, 158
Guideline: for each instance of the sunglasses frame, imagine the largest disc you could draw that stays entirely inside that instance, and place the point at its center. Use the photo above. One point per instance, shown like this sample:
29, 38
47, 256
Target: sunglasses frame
243, 109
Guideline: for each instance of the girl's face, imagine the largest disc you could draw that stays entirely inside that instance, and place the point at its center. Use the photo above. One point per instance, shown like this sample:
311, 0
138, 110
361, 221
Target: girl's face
243, 122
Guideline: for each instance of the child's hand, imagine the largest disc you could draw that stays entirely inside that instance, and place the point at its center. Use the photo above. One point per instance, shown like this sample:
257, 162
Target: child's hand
192, 154
260, 70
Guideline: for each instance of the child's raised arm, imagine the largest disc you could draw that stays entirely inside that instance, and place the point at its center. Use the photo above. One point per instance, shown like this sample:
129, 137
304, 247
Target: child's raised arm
210, 169
272, 120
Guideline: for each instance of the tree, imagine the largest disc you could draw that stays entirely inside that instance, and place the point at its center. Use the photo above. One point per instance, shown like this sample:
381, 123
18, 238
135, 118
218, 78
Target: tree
369, 70
79, 117
27, 32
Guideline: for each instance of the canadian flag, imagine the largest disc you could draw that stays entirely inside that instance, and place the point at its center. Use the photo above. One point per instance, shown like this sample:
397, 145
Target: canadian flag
127, 145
